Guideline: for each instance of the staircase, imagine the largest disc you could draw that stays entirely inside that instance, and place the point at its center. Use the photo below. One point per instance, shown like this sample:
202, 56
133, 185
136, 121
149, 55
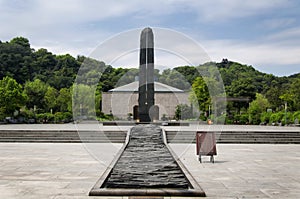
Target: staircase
242, 137
119, 136
62, 136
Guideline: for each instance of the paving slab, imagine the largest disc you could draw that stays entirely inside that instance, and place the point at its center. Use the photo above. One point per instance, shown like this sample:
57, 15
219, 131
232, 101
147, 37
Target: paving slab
56, 170
191, 127
247, 171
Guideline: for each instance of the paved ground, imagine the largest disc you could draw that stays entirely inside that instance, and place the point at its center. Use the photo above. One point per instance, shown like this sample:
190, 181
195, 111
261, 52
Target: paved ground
193, 127
58, 171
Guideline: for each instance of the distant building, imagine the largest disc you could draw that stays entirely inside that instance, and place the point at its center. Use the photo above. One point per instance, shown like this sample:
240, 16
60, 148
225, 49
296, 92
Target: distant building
123, 100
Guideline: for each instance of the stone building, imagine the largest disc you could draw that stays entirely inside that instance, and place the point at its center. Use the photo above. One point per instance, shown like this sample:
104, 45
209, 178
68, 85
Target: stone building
123, 100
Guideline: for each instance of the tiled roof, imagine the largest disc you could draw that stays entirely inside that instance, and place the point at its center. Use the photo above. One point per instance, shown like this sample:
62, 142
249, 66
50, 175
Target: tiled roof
158, 87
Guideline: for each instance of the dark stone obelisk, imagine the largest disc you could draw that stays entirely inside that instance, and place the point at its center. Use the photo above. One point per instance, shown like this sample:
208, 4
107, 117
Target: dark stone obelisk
146, 75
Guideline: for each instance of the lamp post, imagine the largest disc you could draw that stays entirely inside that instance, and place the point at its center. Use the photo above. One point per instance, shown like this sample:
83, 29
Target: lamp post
285, 112
249, 116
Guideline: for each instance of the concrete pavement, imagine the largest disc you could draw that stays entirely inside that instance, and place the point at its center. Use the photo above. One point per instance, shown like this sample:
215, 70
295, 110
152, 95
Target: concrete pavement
57, 171
94, 125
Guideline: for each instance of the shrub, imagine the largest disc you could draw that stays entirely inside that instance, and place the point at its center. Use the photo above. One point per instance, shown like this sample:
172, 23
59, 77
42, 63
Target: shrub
265, 117
68, 117
219, 120
296, 117
241, 119
183, 111
58, 117
276, 117
45, 118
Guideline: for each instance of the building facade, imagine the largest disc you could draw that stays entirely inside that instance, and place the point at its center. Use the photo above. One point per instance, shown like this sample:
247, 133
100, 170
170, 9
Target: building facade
122, 101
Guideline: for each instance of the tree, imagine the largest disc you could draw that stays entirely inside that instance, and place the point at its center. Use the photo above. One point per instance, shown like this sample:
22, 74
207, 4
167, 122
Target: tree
65, 72
199, 94
24, 42
189, 72
43, 64
295, 87
243, 87
183, 112
113, 77
90, 71
128, 77
64, 100
35, 92
15, 57
291, 95
11, 97
83, 101
273, 96
257, 107
175, 79
51, 99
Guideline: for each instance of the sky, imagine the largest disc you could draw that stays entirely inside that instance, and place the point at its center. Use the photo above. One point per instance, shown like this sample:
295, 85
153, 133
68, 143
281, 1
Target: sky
261, 33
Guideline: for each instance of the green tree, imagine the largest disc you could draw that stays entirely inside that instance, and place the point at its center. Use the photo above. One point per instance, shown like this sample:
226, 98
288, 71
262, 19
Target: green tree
24, 42
199, 94
11, 97
257, 107
183, 112
175, 79
50, 99
243, 87
15, 57
35, 92
296, 91
128, 77
83, 101
64, 100
189, 72
292, 95
43, 65
273, 96
65, 72
91, 71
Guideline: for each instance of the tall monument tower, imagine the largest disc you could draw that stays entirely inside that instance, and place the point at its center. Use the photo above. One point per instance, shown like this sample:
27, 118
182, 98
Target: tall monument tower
146, 75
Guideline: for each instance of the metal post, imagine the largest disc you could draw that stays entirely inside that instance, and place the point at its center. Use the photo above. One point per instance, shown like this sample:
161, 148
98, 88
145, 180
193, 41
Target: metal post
285, 112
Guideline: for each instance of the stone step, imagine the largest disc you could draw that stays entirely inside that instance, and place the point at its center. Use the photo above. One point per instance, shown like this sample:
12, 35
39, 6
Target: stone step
120, 136
62, 136
61, 141
235, 133
258, 141
238, 137
279, 140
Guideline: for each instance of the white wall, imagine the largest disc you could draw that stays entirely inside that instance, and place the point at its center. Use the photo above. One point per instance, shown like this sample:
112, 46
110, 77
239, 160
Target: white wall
122, 103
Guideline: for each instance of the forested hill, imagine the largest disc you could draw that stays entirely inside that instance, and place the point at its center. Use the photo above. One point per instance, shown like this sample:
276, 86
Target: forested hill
24, 64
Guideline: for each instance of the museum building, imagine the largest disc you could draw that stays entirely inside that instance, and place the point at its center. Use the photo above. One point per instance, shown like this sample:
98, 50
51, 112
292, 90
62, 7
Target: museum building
123, 100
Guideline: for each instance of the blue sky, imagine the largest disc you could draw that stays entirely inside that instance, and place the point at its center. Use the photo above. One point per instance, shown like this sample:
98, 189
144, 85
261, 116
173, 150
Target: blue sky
261, 33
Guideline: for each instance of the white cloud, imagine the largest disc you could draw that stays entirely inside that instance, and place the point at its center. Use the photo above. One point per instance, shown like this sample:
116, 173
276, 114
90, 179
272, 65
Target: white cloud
286, 36
36, 14
172, 49
67, 26
224, 10
256, 54
278, 23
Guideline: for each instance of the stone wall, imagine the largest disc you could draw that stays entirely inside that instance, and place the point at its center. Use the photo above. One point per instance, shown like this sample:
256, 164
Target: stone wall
122, 103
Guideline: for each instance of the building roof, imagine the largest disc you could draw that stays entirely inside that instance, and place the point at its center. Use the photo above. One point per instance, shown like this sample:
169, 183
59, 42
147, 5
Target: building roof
158, 87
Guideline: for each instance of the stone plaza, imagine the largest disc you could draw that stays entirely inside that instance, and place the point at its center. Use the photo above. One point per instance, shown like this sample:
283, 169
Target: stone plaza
69, 170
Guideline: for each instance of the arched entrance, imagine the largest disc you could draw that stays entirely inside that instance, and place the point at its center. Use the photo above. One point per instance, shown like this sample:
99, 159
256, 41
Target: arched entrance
154, 113
136, 112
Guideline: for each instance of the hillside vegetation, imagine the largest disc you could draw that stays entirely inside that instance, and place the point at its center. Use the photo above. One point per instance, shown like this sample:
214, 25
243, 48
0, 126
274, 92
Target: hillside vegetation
37, 86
